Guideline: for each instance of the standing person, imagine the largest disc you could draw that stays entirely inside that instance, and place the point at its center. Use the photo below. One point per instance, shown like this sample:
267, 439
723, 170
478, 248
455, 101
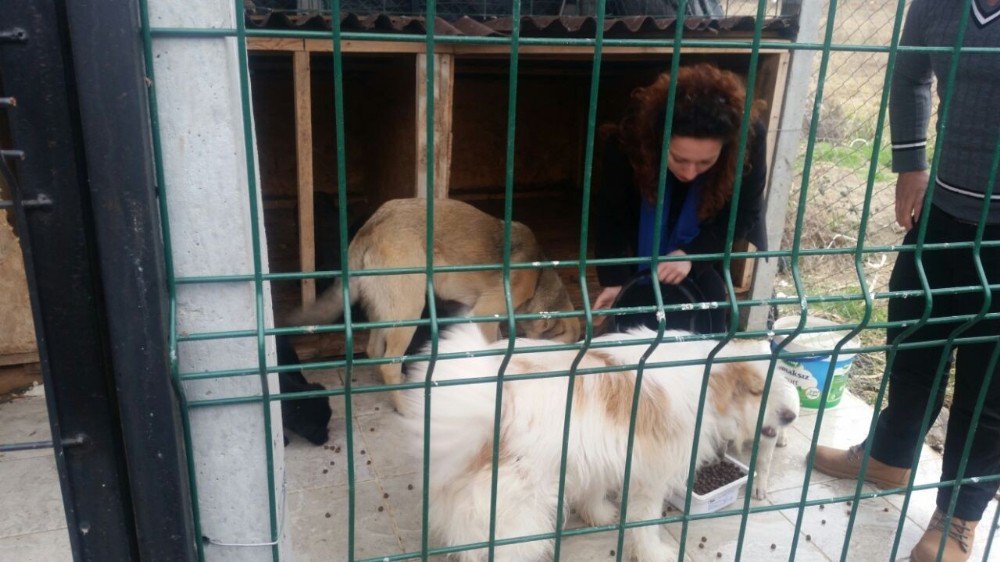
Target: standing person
701, 172
959, 196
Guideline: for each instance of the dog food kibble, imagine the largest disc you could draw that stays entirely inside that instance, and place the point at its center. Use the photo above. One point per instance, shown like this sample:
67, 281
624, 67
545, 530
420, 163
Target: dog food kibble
718, 555
380, 508
704, 539
362, 451
809, 538
823, 522
331, 463
612, 553
376, 408
664, 514
327, 515
325, 471
848, 503
716, 476
885, 509
372, 429
821, 506
369, 461
701, 545
773, 546
385, 495
409, 486
336, 449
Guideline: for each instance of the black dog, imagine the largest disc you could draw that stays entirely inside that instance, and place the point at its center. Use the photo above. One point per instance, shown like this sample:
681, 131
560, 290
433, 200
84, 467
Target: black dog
308, 417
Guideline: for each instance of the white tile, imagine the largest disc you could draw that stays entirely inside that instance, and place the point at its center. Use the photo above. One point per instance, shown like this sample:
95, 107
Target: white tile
309, 466
789, 464
369, 403
390, 444
46, 546
405, 504
825, 527
30, 498
24, 419
708, 538
842, 426
318, 524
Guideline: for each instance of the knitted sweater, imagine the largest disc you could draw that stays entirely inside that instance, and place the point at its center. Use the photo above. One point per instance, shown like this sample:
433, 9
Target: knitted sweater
973, 127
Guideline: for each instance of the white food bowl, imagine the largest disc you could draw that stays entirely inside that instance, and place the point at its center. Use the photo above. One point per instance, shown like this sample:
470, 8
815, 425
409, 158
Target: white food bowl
717, 498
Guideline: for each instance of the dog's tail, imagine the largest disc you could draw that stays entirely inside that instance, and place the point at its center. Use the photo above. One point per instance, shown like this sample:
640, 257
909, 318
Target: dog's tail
462, 416
329, 305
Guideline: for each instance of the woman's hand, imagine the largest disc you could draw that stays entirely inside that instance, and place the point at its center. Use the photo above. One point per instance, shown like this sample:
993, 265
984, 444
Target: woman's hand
673, 272
604, 300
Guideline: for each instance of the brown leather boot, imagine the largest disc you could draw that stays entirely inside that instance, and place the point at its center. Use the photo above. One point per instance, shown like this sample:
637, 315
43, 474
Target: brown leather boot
847, 464
958, 546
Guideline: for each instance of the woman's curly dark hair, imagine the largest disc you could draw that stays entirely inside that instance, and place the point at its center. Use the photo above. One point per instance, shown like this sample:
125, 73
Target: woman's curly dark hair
709, 104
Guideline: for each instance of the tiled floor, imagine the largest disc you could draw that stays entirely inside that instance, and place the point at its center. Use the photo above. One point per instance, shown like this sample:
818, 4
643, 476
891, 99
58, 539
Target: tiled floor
388, 496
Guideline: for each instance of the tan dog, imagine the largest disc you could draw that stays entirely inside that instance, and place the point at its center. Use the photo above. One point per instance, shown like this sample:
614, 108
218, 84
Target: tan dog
395, 237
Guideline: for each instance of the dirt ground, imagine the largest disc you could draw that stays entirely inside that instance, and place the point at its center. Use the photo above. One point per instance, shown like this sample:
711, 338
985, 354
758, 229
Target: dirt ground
841, 180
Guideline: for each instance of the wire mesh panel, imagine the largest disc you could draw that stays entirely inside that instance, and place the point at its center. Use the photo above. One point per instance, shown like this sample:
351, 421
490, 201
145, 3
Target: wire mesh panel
838, 250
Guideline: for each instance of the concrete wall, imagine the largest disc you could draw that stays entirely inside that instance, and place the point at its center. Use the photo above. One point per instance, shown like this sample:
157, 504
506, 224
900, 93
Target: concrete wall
201, 127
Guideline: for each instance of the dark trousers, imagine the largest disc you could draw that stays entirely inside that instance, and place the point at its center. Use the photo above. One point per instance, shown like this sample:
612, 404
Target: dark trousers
914, 370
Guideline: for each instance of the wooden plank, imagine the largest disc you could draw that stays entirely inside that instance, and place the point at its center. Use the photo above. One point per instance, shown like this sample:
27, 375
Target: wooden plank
770, 86
400, 47
274, 44
444, 90
742, 269
18, 358
304, 160
771, 80
585, 51
18, 378
542, 51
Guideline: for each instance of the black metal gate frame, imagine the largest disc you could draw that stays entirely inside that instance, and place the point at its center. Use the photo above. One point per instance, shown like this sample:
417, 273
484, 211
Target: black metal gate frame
84, 202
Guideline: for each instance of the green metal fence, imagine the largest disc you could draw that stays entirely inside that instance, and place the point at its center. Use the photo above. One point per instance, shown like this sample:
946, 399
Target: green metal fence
803, 302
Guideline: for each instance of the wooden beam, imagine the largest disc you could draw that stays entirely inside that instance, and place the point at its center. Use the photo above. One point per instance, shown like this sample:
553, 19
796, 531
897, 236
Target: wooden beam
353, 46
18, 358
304, 160
771, 82
467, 49
444, 90
281, 44
586, 51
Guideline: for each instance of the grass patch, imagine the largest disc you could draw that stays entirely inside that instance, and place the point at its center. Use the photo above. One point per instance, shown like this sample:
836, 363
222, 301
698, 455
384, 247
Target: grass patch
855, 156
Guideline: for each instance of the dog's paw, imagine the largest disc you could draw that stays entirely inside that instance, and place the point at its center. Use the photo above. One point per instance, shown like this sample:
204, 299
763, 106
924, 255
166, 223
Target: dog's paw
782, 439
759, 492
599, 513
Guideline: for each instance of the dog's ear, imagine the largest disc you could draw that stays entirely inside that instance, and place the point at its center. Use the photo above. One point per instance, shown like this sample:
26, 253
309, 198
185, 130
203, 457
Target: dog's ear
559, 329
733, 381
748, 379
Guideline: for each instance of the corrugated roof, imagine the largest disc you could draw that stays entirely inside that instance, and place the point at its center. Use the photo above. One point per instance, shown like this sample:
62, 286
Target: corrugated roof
531, 26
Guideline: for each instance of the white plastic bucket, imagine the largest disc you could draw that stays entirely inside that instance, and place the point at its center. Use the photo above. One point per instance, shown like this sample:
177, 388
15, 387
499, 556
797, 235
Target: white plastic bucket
809, 373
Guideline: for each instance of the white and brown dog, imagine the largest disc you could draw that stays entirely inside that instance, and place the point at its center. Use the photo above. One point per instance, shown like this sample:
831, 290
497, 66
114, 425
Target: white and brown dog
531, 435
